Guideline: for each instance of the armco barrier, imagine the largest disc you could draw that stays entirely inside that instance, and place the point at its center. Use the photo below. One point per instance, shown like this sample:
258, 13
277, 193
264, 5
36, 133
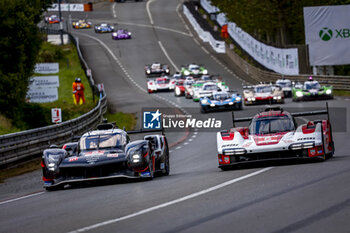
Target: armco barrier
206, 36
26, 144
253, 75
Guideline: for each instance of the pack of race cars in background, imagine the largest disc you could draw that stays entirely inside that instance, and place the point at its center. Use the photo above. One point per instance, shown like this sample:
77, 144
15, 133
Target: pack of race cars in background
117, 34
194, 82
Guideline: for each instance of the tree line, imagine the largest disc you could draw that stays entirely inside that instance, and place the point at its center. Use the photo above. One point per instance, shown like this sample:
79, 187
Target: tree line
276, 22
20, 42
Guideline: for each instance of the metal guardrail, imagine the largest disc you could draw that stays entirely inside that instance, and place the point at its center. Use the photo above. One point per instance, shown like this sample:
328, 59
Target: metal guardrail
27, 144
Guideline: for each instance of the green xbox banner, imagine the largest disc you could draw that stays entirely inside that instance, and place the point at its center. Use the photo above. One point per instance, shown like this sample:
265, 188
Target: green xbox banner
327, 32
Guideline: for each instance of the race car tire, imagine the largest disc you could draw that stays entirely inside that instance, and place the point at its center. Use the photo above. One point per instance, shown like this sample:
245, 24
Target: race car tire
150, 168
204, 110
54, 188
167, 165
225, 168
324, 156
331, 144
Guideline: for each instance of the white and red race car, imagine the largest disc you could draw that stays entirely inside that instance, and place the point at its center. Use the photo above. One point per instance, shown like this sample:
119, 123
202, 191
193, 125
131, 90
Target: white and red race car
163, 83
273, 135
263, 94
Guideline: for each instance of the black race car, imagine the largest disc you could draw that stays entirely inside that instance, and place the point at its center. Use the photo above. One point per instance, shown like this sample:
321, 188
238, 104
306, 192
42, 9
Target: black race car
156, 69
105, 153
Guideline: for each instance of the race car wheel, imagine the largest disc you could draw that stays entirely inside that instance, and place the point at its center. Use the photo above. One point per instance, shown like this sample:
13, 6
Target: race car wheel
203, 110
324, 156
54, 188
150, 168
167, 165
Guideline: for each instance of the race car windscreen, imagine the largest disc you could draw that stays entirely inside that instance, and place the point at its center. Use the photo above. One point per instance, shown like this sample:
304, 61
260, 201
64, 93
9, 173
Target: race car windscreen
193, 67
104, 141
311, 85
210, 87
163, 81
221, 96
263, 89
284, 83
271, 124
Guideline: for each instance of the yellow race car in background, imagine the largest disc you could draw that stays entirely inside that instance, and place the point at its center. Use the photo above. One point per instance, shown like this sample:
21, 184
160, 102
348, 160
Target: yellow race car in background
81, 24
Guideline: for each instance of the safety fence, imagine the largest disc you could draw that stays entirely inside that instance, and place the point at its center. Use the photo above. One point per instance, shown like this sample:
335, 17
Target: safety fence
253, 74
27, 144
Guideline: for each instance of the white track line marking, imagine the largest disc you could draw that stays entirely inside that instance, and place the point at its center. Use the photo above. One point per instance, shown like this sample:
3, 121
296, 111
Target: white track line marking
148, 26
129, 76
167, 55
114, 11
149, 12
182, 19
20, 198
166, 204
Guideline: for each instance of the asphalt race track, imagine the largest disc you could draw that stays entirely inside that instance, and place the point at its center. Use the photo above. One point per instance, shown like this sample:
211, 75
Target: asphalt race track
197, 196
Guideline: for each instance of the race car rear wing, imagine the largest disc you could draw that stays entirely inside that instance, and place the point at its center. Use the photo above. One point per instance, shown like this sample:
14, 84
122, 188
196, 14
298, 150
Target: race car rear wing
296, 114
146, 131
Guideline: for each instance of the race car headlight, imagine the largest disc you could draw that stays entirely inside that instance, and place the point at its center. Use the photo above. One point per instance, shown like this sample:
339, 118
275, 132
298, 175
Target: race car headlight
148, 71
99, 28
299, 146
277, 97
177, 91
299, 94
238, 98
236, 151
112, 27
329, 91
205, 72
129, 33
204, 101
212, 105
230, 103
191, 92
251, 99
167, 71
136, 158
187, 72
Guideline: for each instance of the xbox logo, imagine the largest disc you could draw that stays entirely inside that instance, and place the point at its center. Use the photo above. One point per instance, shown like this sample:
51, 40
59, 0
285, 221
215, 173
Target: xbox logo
326, 34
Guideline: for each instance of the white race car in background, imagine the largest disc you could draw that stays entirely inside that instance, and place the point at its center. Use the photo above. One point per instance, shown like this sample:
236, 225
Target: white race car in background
163, 83
286, 86
206, 90
263, 94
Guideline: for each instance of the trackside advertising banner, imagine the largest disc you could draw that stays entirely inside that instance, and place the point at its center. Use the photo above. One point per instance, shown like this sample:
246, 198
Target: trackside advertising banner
327, 32
280, 60
67, 7
283, 61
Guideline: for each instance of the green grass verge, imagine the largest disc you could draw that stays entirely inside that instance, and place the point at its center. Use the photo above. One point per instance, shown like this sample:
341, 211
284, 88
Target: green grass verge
20, 169
126, 120
341, 93
70, 68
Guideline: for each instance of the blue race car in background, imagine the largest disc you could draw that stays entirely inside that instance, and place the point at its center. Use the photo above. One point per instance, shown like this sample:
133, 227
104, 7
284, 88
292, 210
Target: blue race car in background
104, 27
221, 100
